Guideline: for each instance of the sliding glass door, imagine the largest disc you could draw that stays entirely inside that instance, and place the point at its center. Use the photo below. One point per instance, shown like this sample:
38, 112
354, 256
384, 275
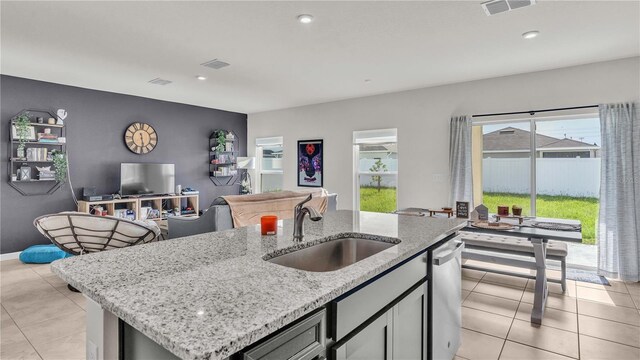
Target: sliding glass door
568, 179
548, 166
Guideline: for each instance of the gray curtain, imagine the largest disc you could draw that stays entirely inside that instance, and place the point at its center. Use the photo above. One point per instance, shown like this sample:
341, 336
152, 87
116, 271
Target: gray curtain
460, 175
619, 220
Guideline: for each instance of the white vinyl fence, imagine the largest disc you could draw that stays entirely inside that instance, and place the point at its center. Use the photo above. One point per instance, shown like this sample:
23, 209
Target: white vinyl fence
571, 177
389, 178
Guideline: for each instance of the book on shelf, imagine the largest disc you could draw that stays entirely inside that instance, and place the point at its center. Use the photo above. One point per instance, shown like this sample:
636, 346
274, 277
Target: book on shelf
225, 171
42, 136
37, 154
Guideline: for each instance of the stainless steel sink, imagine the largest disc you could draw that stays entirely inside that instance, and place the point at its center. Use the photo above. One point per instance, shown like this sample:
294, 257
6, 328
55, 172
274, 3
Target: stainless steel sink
333, 254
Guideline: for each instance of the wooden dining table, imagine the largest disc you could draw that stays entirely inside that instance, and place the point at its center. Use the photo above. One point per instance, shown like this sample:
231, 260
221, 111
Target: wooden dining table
539, 238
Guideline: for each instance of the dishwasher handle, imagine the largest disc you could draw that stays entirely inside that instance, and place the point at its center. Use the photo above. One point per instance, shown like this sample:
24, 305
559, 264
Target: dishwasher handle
440, 260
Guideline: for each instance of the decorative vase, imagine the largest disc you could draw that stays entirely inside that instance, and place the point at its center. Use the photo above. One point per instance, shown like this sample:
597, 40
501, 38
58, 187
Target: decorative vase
20, 153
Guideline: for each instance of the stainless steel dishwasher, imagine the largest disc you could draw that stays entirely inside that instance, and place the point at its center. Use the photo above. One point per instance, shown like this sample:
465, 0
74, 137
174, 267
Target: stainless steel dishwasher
445, 299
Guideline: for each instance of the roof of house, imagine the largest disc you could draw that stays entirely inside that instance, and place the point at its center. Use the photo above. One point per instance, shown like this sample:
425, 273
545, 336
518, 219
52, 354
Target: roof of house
514, 139
387, 147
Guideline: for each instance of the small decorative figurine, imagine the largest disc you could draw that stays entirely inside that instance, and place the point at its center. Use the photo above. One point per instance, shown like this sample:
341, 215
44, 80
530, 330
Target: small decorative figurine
62, 114
483, 212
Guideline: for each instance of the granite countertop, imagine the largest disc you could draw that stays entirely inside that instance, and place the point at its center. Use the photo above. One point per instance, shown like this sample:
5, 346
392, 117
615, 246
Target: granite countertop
208, 296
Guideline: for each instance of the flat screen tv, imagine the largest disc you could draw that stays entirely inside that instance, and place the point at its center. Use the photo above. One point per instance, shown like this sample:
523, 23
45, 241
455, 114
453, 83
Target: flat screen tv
146, 179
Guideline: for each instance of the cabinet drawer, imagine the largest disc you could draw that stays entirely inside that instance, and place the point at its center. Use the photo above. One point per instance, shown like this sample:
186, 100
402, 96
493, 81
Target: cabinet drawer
302, 341
348, 313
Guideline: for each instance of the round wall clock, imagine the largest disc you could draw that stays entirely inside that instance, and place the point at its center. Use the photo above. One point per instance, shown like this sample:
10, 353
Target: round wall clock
141, 138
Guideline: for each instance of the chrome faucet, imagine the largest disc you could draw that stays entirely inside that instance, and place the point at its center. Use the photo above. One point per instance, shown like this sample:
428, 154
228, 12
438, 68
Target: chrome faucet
299, 213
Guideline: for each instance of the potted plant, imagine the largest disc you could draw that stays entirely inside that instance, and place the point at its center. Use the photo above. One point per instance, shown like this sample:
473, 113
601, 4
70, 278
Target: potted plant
60, 164
22, 124
221, 139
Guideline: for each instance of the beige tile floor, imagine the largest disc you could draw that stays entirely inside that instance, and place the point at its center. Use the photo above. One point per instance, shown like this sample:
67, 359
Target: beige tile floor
42, 319
589, 321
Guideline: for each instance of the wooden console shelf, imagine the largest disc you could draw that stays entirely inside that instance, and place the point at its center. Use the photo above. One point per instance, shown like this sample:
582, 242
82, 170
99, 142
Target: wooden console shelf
135, 204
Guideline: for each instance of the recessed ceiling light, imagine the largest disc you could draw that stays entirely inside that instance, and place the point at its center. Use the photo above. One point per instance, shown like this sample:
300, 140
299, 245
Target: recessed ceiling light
305, 18
531, 34
367, 80
200, 77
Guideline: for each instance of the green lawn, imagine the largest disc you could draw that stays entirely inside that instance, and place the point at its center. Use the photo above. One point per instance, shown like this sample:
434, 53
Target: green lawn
562, 207
377, 201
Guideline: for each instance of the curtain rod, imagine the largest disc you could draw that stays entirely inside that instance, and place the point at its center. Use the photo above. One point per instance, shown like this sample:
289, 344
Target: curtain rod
533, 112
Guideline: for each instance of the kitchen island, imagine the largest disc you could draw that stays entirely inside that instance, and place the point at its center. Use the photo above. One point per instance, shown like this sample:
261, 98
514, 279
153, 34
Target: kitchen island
212, 295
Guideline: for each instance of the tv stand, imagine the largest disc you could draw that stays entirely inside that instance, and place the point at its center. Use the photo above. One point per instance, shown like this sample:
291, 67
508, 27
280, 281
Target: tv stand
164, 202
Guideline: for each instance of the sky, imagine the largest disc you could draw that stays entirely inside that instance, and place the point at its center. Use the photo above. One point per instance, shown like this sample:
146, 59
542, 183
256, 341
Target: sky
586, 130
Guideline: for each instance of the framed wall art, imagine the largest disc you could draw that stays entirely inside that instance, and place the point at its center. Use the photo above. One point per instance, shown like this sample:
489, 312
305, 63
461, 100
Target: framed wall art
310, 163
30, 137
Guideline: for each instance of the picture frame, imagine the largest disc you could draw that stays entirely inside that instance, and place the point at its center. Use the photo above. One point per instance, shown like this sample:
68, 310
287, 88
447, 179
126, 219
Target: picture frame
31, 137
310, 163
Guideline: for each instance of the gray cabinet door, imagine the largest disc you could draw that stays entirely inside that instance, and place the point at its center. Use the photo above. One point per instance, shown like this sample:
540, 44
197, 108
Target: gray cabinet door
408, 333
374, 342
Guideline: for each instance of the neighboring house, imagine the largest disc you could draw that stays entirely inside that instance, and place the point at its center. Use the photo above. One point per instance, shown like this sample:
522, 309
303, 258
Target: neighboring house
512, 142
379, 151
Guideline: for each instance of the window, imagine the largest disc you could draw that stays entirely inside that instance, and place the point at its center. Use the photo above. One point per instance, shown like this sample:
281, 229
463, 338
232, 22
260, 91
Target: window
269, 153
548, 166
375, 170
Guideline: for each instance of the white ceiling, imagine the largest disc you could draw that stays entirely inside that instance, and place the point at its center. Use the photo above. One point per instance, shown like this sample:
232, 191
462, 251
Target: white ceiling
277, 62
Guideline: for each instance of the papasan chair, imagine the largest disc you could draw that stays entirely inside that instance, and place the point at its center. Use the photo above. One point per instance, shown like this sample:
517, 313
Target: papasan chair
80, 233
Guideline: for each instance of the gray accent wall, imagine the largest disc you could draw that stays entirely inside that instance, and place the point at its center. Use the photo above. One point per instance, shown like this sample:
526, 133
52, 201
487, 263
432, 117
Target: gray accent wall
96, 123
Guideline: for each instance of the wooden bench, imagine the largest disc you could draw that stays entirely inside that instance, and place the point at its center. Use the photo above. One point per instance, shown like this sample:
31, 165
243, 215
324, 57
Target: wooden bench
487, 248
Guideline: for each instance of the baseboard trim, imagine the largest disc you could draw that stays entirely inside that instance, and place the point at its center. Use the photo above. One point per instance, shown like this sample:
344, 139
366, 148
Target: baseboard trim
10, 256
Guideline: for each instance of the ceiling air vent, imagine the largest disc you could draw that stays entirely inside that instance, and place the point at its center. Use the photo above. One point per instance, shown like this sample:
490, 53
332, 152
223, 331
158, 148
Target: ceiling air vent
159, 81
215, 64
497, 6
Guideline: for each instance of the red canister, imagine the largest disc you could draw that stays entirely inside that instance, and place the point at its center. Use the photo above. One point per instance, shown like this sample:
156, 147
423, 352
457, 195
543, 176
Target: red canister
269, 225
503, 210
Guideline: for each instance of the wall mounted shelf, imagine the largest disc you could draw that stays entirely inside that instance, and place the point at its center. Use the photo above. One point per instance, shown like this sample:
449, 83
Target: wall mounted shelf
30, 187
42, 125
32, 180
38, 143
224, 160
30, 161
